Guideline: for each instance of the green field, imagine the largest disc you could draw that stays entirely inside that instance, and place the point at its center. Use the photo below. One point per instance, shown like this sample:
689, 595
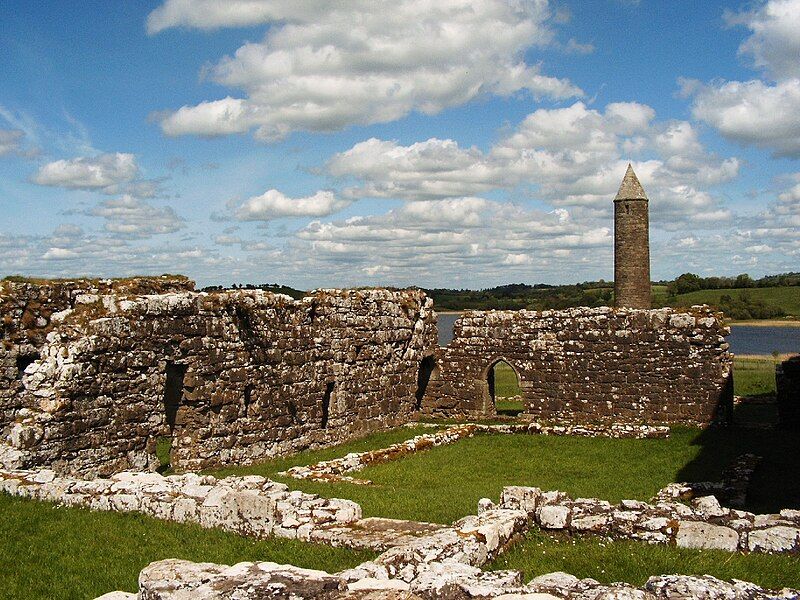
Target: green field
785, 298
59, 553
753, 376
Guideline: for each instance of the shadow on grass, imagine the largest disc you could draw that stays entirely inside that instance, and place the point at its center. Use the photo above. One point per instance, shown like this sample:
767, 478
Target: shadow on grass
776, 482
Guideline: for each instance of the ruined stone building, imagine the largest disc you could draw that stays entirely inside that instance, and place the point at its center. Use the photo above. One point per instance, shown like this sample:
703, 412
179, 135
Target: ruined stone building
94, 373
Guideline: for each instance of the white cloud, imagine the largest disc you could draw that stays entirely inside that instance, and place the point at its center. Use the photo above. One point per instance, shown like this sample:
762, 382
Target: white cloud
757, 112
130, 217
453, 240
273, 204
753, 112
325, 65
111, 174
213, 14
774, 44
572, 156
10, 141
89, 173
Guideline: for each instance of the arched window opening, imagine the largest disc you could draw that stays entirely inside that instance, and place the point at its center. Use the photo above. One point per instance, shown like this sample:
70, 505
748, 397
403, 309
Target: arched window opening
504, 389
428, 371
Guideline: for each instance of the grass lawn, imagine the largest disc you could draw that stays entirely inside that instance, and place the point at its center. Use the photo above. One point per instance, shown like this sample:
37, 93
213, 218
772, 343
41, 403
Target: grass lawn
445, 483
634, 562
753, 376
787, 298
68, 553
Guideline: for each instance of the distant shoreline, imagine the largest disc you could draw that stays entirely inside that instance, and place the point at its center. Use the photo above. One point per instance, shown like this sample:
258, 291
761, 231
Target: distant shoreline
759, 323
764, 323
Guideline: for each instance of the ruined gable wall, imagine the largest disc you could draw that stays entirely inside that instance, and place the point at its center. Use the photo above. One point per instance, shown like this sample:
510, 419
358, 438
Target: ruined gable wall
258, 368
30, 309
590, 365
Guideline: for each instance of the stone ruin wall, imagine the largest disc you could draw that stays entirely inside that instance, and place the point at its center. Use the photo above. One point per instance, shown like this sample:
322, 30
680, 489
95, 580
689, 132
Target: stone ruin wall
590, 365
239, 376
232, 377
30, 309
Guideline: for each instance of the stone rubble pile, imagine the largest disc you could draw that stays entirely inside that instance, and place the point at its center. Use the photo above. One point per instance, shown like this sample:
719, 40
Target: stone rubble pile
334, 470
731, 489
444, 565
252, 505
705, 524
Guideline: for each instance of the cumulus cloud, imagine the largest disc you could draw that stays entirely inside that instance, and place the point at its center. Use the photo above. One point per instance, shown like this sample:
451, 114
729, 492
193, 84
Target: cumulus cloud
112, 173
758, 112
458, 239
323, 66
572, 156
273, 204
213, 14
10, 141
131, 217
774, 44
753, 112
89, 173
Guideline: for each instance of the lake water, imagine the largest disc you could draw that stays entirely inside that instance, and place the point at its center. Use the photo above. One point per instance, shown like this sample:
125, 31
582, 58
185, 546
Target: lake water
744, 339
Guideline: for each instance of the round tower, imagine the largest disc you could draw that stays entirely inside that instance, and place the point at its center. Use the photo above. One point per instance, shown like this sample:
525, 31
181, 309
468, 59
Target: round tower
631, 245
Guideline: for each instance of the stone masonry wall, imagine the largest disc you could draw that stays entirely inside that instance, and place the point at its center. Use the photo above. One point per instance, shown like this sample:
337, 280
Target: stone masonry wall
232, 377
30, 309
585, 365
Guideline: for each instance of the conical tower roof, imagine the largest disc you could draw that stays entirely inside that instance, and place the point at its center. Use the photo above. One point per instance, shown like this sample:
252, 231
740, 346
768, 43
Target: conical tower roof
630, 189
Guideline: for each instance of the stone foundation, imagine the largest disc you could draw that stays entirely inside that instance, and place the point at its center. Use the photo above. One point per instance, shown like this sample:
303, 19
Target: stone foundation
589, 366
252, 505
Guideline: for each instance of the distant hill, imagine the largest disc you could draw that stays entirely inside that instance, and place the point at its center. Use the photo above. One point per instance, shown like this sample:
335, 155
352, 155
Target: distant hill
740, 298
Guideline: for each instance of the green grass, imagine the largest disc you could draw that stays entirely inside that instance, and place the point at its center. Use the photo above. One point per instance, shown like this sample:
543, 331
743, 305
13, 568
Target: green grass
633, 562
753, 376
786, 298
443, 484
67, 553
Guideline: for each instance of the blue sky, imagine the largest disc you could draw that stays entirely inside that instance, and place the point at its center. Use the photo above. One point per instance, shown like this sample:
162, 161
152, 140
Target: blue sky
455, 143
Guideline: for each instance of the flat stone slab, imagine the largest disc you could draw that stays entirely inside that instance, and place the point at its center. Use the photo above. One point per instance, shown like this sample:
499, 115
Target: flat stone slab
374, 533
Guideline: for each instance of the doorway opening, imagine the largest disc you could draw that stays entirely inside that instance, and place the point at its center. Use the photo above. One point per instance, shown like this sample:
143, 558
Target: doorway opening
173, 394
504, 389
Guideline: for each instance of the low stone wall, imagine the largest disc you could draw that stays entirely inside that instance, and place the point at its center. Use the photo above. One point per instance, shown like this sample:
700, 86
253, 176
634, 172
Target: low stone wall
444, 565
230, 377
705, 524
252, 506
589, 365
